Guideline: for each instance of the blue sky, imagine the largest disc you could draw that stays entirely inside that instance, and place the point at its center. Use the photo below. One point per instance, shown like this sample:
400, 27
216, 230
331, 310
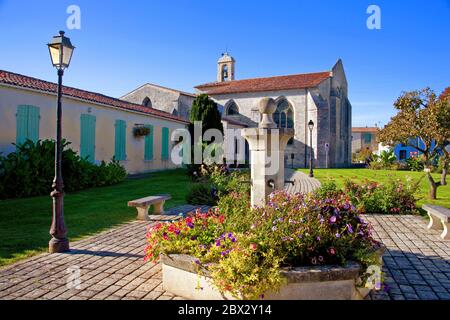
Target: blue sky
123, 44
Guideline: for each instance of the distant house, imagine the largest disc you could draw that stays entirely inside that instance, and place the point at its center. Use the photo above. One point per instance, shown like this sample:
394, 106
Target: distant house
364, 138
99, 127
403, 152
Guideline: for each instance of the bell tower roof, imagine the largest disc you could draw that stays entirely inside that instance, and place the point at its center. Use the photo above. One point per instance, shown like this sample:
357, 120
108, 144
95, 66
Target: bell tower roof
226, 58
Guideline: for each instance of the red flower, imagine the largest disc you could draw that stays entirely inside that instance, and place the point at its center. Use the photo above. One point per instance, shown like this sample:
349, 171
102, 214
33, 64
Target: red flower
253, 246
221, 219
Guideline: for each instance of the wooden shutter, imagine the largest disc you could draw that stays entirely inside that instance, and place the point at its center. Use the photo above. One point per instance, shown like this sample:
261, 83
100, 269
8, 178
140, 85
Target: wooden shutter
120, 144
27, 124
165, 144
87, 137
21, 124
33, 123
148, 151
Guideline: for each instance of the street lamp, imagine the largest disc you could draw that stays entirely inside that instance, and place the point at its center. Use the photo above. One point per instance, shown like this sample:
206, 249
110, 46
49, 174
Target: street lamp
311, 128
61, 50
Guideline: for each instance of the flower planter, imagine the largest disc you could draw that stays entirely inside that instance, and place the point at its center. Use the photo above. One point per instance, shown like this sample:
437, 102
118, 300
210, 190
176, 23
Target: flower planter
182, 277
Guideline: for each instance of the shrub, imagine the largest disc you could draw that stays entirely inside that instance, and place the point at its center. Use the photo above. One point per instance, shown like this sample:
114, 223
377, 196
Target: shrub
30, 171
391, 197
202, 194
292, 230
415, 164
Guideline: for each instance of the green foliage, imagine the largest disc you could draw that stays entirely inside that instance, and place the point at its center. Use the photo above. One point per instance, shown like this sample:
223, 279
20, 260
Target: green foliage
415, 164
30, 171
385, 161
205, 109
202, 194
245, 249
392, 197
216, 181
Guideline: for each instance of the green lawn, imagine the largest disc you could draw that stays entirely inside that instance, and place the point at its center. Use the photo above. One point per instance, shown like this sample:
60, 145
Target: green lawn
25, 223
339, 175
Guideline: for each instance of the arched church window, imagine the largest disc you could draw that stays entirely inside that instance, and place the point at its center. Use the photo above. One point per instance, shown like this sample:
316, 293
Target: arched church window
284, 115
147, 102
232, 110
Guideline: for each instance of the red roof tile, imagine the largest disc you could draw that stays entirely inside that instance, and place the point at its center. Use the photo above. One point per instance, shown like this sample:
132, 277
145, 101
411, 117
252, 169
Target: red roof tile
297, 81
22, 81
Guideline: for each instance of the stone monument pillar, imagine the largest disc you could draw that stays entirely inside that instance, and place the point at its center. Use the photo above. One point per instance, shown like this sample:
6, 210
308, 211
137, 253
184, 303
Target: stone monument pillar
267, 144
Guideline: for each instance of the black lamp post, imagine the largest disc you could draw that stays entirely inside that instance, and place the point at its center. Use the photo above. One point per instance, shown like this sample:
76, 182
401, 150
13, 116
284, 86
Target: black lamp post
61, 50
311, 128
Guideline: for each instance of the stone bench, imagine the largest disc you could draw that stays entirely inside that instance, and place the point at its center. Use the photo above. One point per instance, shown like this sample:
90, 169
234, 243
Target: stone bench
144, 204
439, 219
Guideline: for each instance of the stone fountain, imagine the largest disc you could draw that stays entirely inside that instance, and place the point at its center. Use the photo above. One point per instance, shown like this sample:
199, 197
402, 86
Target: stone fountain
267, 144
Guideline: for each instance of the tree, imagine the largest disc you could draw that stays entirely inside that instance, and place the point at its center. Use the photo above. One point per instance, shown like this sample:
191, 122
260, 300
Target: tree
205, 110
422, 122
443, 138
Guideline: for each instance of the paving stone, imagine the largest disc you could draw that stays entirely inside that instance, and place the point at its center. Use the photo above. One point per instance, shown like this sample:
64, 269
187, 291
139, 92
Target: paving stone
416, 264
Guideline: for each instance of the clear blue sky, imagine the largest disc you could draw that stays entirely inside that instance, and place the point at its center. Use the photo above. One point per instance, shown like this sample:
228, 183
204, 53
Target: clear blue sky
123, 44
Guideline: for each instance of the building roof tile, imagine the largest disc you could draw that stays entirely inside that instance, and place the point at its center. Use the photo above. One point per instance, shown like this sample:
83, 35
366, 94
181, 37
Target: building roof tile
296, 81
18, 80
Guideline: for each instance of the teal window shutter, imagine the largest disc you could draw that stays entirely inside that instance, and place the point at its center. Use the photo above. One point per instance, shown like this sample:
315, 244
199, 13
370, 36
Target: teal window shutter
120, 144
87, 137
33, 123
148, 150
27, 124
165, 144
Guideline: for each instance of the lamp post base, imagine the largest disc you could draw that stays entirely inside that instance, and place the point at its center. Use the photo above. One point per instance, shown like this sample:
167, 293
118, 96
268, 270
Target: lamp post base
58, 245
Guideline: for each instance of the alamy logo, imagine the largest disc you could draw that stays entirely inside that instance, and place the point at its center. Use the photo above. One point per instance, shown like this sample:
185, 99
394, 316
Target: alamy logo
374, 280
73, 278
74, 20
374, 20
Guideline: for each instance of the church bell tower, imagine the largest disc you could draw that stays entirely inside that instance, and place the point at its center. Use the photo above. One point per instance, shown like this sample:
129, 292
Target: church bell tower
225, 68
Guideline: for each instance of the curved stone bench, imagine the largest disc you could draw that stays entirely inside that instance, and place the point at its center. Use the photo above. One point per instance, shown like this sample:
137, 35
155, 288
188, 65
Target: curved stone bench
439, 219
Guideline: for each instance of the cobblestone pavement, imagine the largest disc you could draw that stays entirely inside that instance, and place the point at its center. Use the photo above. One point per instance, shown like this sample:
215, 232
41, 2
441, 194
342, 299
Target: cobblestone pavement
111, 265
302, 183
417, 260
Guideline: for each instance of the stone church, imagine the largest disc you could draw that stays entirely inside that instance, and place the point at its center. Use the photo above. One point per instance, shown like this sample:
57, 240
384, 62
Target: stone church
321, 97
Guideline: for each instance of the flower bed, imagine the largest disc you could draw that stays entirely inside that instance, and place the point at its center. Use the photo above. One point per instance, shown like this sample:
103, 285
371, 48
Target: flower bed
392, 197
245, 253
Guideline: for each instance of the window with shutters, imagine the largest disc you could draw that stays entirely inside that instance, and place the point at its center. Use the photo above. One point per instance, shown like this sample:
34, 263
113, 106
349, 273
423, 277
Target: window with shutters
87, 137
27, 124
165, 144
148, 149
120, 144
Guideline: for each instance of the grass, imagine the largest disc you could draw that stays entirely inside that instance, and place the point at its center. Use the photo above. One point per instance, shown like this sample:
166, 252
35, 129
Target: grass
340, 175
25, 223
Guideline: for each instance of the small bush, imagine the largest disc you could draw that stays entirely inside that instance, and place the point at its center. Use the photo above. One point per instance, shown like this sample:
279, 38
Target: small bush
415, 164
202, 194
391, 197
30, 171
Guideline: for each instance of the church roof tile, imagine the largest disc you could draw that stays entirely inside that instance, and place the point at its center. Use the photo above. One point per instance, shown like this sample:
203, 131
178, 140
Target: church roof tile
296, 81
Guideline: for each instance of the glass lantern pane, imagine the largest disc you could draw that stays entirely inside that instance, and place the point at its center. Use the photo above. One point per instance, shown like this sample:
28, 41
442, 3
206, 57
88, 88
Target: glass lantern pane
54, 54
67, 55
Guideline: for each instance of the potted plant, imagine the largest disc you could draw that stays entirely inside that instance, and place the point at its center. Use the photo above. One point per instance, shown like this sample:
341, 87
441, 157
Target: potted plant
141, 131
297, 247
